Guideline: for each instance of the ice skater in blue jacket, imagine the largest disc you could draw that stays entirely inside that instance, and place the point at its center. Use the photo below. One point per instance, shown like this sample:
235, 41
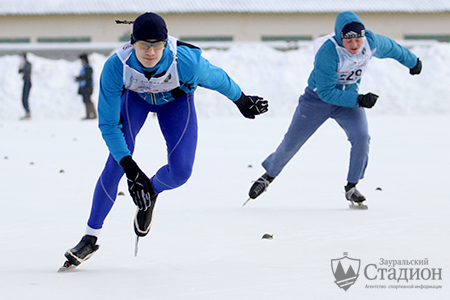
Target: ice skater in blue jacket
332, 92
157, 73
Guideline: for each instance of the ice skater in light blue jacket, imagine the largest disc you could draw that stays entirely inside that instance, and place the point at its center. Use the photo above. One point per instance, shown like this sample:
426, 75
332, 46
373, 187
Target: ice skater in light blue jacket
332, 92
156, 73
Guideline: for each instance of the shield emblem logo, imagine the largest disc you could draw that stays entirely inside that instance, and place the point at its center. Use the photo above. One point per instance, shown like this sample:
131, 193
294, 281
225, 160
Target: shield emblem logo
168, 78
345, 271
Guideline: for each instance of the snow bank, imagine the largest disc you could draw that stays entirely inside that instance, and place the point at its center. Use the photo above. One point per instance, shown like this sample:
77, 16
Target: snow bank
279, 76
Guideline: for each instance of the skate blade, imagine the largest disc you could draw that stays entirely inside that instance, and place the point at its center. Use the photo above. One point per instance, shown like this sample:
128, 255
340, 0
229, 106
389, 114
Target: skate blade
355, 205
136, 246
246, 202
67, 267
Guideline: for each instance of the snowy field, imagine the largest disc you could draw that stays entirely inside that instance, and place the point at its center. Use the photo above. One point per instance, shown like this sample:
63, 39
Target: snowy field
203, 244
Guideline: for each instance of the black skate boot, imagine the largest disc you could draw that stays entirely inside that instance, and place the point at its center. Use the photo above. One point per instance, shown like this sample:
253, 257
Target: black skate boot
352, 194
81, 252
260, 186
355, 197
143, 218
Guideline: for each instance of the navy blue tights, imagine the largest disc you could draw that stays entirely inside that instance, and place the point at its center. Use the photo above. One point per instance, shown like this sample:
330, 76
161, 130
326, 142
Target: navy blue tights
178, 123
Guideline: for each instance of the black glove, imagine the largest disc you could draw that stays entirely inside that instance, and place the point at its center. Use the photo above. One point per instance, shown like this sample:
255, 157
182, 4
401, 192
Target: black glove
250, 106
417, 68
139, 185
368, 100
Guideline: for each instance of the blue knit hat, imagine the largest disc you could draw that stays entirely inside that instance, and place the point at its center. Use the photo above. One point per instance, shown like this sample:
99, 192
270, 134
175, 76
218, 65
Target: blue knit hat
149, 26
352, 30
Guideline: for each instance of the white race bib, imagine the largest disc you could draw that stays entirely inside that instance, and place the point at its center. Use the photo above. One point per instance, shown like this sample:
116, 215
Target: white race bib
351, 67
137, 82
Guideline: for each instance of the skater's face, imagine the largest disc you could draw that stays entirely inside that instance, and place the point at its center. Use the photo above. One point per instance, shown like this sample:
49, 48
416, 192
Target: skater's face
149, 52
353, 44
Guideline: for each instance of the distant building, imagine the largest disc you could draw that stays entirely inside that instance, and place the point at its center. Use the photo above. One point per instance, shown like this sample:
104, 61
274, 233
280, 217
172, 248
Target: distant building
92, 21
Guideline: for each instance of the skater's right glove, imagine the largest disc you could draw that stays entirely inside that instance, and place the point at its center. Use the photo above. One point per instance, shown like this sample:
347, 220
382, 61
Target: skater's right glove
368, 100
139, 185
250, 106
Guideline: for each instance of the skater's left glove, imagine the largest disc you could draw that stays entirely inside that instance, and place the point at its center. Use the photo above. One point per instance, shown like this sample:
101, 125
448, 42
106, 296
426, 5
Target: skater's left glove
139, 185
250, 106
417, 68
368, 100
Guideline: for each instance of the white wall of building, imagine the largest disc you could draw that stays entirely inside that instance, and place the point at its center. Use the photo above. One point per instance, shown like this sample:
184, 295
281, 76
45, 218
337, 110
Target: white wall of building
242, 27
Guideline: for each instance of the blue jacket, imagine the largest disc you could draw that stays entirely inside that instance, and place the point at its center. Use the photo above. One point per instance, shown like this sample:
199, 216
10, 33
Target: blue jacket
323, 78
193, 71
85, 84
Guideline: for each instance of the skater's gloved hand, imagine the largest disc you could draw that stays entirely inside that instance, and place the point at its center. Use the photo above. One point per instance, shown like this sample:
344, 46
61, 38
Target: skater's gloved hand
139, 185
368, 100
250, 106
417, 68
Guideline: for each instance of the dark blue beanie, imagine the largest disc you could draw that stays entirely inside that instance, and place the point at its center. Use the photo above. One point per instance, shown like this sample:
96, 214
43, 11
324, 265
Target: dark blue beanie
352, 30
149, 26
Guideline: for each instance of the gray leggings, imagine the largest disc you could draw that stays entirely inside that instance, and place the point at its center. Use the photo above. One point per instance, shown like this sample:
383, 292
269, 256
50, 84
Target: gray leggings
309, 115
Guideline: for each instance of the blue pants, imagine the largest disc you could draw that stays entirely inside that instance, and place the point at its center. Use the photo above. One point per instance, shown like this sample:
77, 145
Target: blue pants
310, 114
25, 95
178, 123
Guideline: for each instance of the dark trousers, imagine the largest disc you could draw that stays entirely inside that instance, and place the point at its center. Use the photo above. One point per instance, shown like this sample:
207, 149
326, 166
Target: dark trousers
25, 95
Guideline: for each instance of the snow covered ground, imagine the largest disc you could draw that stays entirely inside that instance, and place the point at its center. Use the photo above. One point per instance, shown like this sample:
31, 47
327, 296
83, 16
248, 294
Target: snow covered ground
203, 244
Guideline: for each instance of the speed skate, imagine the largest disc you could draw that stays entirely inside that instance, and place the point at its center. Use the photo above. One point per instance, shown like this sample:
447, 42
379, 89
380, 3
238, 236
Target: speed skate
357, 205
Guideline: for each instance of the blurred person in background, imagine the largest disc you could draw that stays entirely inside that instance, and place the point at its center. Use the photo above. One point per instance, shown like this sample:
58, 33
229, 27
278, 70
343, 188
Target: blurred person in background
25, 69
85, 87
